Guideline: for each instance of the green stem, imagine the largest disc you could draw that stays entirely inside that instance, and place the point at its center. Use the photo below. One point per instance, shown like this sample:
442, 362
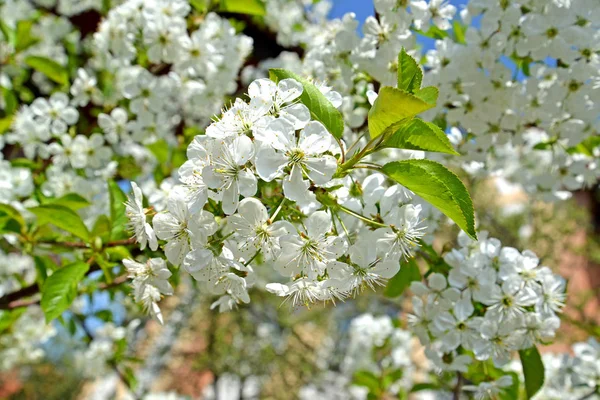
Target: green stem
251, 258
362, 217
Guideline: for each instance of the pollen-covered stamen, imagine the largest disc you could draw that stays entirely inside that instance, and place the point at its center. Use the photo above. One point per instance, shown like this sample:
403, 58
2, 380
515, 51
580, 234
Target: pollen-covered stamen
296, 157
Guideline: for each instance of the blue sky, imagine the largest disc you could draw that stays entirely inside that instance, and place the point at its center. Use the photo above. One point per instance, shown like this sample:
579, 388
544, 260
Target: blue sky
364, 8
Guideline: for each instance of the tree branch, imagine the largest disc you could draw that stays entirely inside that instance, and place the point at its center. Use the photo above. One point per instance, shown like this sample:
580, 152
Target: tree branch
458, 387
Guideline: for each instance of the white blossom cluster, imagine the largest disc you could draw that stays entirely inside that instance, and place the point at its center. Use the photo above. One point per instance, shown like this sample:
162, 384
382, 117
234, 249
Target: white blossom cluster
367, 336
572, 377
520, 127
220, 240
493, 301
148, 73
15, 269
91, 361
24, 344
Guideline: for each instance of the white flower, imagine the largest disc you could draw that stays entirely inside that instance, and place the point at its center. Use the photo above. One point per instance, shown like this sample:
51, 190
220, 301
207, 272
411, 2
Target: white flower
177, 226
136, 214
490, 390
255, 232
296, 158
365, 268
114, 125
401, 238
508, 300
150, 281
310, 251
438, 10
229, 174
282, 96
55, 113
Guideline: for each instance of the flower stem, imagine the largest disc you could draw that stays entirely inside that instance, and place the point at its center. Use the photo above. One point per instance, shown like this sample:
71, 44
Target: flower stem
362, 217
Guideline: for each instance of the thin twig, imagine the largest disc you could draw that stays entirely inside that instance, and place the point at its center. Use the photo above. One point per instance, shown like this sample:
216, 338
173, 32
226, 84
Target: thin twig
458, 387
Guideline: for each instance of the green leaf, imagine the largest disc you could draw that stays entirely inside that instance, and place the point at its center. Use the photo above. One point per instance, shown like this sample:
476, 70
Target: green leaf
408, 273
366, 379
5, 123
50, 68
102, 228
437, 185
533, 370
428, 94
7, 32
199, 5
410, 75
43, 264
70, 200
7, 211
63, 218
392, 106
60, 289
118, 217
416, 134
250, 7
24, 163
24, 39
160, 149
459, 29
320, 108
424, 386
10, 100
9, 317
586, 147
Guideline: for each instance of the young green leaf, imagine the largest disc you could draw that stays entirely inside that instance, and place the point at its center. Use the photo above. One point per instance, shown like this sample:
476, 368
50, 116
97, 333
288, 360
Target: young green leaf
10, 212
5, 123
437, 185
117, 211
320, 108
416, 134
250, 7
61, 217
391, 106
24, 39
60, 289
10, 100
533, 369
459, 30
70, 200
50, 68
428, 94
410, 75
102, 228
408, 272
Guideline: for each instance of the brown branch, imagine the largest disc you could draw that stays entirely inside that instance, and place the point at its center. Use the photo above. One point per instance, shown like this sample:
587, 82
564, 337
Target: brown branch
82, 245
458, 387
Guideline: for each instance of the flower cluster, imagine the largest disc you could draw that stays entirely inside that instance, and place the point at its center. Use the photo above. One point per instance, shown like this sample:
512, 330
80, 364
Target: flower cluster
494, 300
271, 143
574, 376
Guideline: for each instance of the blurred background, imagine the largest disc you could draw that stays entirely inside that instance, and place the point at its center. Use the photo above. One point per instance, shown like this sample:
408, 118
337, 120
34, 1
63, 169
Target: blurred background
288, 350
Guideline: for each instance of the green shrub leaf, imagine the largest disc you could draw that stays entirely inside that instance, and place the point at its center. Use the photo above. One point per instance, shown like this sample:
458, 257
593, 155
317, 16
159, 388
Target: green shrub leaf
392, 106
320, 108
408, 272
533, 369
50, 68
250, 7
60, 289
416, 134
410, 75
63, 218
70, 200
118, 217
437, 185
